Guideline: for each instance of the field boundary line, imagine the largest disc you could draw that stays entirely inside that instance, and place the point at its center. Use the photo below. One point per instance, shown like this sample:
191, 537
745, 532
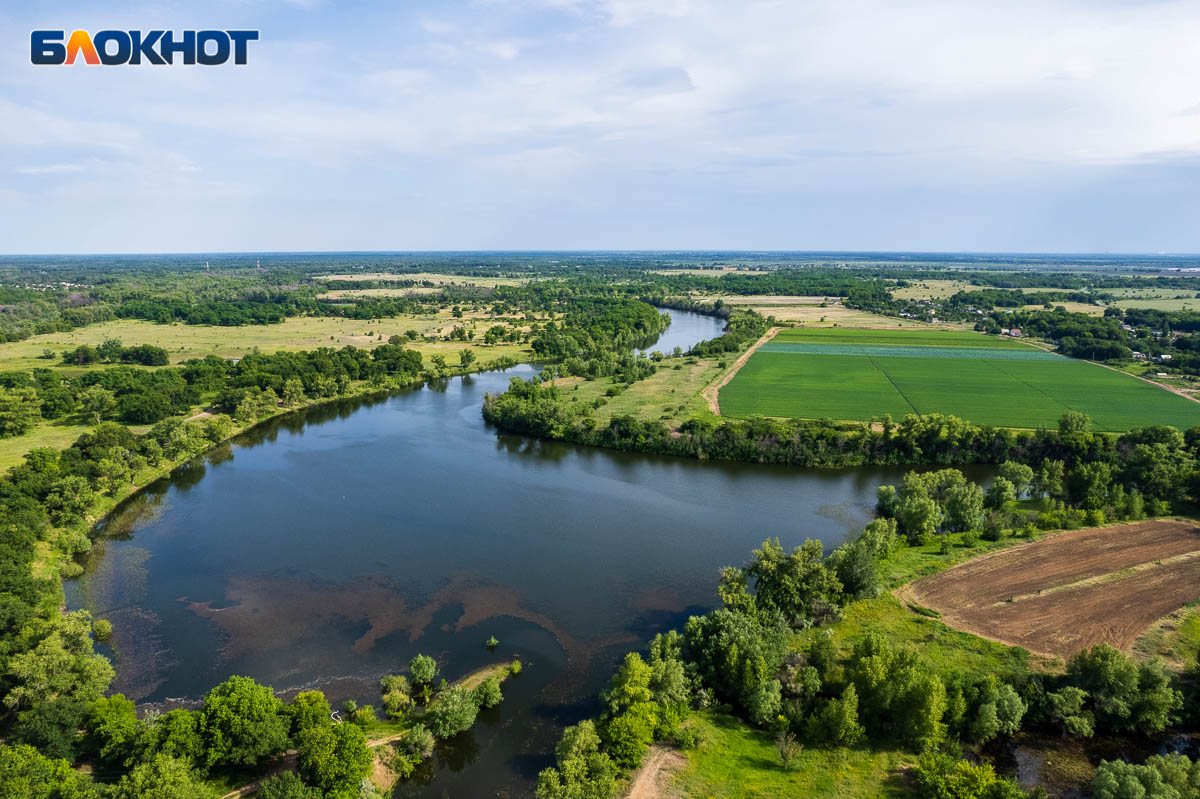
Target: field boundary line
888, 377
1029, 386
1175, 391
712, 390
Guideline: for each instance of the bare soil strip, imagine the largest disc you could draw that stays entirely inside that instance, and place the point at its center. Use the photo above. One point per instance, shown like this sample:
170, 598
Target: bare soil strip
651, 780
710, 393
1074, 590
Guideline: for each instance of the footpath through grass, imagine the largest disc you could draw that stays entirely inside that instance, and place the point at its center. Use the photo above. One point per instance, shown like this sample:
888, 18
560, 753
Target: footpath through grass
860, 375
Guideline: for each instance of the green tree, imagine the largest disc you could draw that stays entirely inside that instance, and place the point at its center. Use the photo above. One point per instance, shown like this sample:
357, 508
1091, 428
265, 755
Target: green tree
668, 682
97, 402
1066, 710
61, 665
112, 474
629, 686
488, 693
1162, 777
453, 712
963, 507
1017, 474
466, 358
177, 733
51, 727
1124, 695
423, 669
242, 723
27, 774
1000, 493
836, 720
792, 584
20, 410
397, 699
939, 776
1050, 480
333, 758
918, 517
163, 777
111, 350
293, 392
920, 710
309, 709
765, 703
114, 731
246, 410
998, 712
629, 734
1088, 484
582, 771
418, 741
286, 785
856, 567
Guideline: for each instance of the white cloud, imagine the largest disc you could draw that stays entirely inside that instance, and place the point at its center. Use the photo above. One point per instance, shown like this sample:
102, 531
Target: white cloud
50, 169
683, 100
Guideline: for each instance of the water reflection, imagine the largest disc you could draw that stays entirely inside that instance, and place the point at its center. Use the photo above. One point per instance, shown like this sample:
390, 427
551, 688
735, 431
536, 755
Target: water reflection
327, 547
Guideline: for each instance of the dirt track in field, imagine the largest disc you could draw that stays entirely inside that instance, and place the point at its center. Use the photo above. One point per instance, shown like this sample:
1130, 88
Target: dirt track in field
711, 392
1073, 590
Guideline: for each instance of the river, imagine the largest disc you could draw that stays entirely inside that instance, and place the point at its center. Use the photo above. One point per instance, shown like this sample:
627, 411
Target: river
326, 548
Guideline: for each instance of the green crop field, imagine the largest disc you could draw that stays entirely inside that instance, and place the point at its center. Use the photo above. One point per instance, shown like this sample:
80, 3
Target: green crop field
864, 374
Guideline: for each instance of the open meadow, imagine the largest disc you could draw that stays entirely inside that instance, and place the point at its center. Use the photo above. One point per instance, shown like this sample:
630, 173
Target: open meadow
183, 342
817, 312
671, 394
862, 375
436, 278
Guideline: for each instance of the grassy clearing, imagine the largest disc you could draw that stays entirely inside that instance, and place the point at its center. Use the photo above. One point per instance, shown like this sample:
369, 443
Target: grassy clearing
1162, 304
59, 434
933, 289
183, 342
1073, 307
669, 395
948, 651
1005, 392
358, 294
808, 311
736, 761
433, 277
708, 272
1175, 639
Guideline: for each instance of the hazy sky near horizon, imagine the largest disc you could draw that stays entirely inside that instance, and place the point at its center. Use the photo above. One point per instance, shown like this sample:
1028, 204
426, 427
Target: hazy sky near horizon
613, 124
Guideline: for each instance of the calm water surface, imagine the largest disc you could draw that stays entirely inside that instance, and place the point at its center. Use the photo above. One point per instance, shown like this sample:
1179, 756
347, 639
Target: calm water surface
326, 549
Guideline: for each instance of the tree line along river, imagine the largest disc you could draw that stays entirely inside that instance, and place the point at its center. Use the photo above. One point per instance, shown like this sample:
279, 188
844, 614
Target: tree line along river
326, 548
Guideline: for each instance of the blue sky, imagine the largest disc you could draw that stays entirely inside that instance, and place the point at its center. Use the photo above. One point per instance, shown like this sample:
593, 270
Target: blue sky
613, 124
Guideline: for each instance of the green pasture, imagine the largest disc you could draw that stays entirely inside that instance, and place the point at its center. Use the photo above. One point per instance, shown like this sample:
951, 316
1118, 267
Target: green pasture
891, 338
862, 375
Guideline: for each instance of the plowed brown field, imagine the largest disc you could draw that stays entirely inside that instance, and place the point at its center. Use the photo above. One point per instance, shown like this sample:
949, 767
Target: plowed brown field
1073, 590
